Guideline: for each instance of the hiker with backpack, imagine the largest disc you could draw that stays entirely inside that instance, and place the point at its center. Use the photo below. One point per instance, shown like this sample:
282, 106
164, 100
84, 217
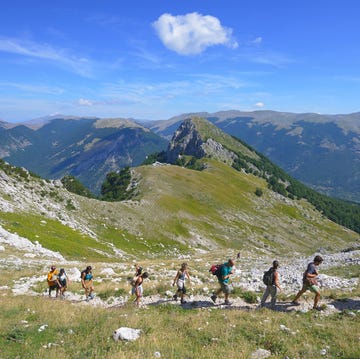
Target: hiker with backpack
138, 271
271, 280
179, 279
63, 282
87, 282
52, 280
310, 282
132, 280
138, 288
223, 273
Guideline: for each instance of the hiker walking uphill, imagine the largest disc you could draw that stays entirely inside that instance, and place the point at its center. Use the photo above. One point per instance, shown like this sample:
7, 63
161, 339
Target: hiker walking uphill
271, 280
63, 282
310, 282
179, 279
225, 271
52, 280
87, 282
138, 288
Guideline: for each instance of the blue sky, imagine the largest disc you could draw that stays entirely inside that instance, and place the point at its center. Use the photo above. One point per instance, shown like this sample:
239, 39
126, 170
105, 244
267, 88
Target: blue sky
154, 59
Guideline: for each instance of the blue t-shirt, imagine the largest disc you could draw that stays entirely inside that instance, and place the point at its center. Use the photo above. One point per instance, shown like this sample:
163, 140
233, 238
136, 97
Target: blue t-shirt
225, 270
88, 276
311, 269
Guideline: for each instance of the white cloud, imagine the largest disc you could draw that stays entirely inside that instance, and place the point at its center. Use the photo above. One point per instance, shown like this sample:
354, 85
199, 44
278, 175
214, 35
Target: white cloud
192, 33
259, 105
45, 52
31, 88
273, 59
85, 102
257, 41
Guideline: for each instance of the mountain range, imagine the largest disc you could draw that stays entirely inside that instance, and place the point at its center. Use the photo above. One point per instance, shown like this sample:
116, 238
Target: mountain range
232, 201
87, 148
322, 151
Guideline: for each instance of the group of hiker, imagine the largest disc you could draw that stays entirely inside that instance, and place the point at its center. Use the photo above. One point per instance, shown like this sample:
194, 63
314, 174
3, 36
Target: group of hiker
58, 280
271, 280
309, 282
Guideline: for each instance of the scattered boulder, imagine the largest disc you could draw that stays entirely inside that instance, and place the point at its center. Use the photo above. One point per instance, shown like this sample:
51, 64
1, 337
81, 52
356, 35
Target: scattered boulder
260, 354
125, 333
42, 328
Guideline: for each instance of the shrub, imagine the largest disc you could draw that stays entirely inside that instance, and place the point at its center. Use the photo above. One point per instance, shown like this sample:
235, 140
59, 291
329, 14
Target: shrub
111, 293
75, 186
115, 186
69, 205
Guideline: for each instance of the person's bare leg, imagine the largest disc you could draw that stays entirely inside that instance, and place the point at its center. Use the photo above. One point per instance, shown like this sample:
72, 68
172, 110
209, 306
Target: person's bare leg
316, 299
300, 293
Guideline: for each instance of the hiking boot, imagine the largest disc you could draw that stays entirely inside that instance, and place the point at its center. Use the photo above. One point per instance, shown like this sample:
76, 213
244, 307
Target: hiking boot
213, 298
175, 297
316, 308
227, 302
91, 296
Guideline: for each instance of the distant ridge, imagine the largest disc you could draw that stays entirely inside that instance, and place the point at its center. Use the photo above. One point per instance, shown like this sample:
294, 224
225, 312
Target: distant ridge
322, 151
198, 138
86, 148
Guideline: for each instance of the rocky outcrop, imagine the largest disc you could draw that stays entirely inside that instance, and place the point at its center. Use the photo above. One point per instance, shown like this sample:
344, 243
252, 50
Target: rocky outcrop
218, 151
186, 141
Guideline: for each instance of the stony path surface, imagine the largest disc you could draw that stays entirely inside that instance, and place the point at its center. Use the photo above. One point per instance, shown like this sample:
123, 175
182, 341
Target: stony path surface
18, 254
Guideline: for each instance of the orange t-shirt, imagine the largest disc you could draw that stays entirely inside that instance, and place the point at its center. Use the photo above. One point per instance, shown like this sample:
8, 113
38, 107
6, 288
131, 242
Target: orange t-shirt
51, 277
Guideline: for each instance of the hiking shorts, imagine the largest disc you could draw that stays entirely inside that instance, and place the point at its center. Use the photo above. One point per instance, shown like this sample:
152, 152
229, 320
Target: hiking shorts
181, 286
89, 287
312, 288
53, 287
226, 288
140, 290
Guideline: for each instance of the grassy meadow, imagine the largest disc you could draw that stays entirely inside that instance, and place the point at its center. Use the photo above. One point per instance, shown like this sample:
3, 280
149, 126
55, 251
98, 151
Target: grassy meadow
76, 329
80, 331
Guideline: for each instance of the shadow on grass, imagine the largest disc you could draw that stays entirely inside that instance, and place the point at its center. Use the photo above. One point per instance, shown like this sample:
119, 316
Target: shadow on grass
346, 304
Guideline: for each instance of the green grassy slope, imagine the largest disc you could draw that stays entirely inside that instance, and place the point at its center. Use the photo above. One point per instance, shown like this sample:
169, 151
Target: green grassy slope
215, 208
176, 210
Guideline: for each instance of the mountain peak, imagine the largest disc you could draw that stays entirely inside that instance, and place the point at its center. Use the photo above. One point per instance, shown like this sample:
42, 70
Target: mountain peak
199, 138
186, 141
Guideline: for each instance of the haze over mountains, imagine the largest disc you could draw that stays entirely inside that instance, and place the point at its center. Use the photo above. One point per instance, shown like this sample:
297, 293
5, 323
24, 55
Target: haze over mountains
322, 151
86, 148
